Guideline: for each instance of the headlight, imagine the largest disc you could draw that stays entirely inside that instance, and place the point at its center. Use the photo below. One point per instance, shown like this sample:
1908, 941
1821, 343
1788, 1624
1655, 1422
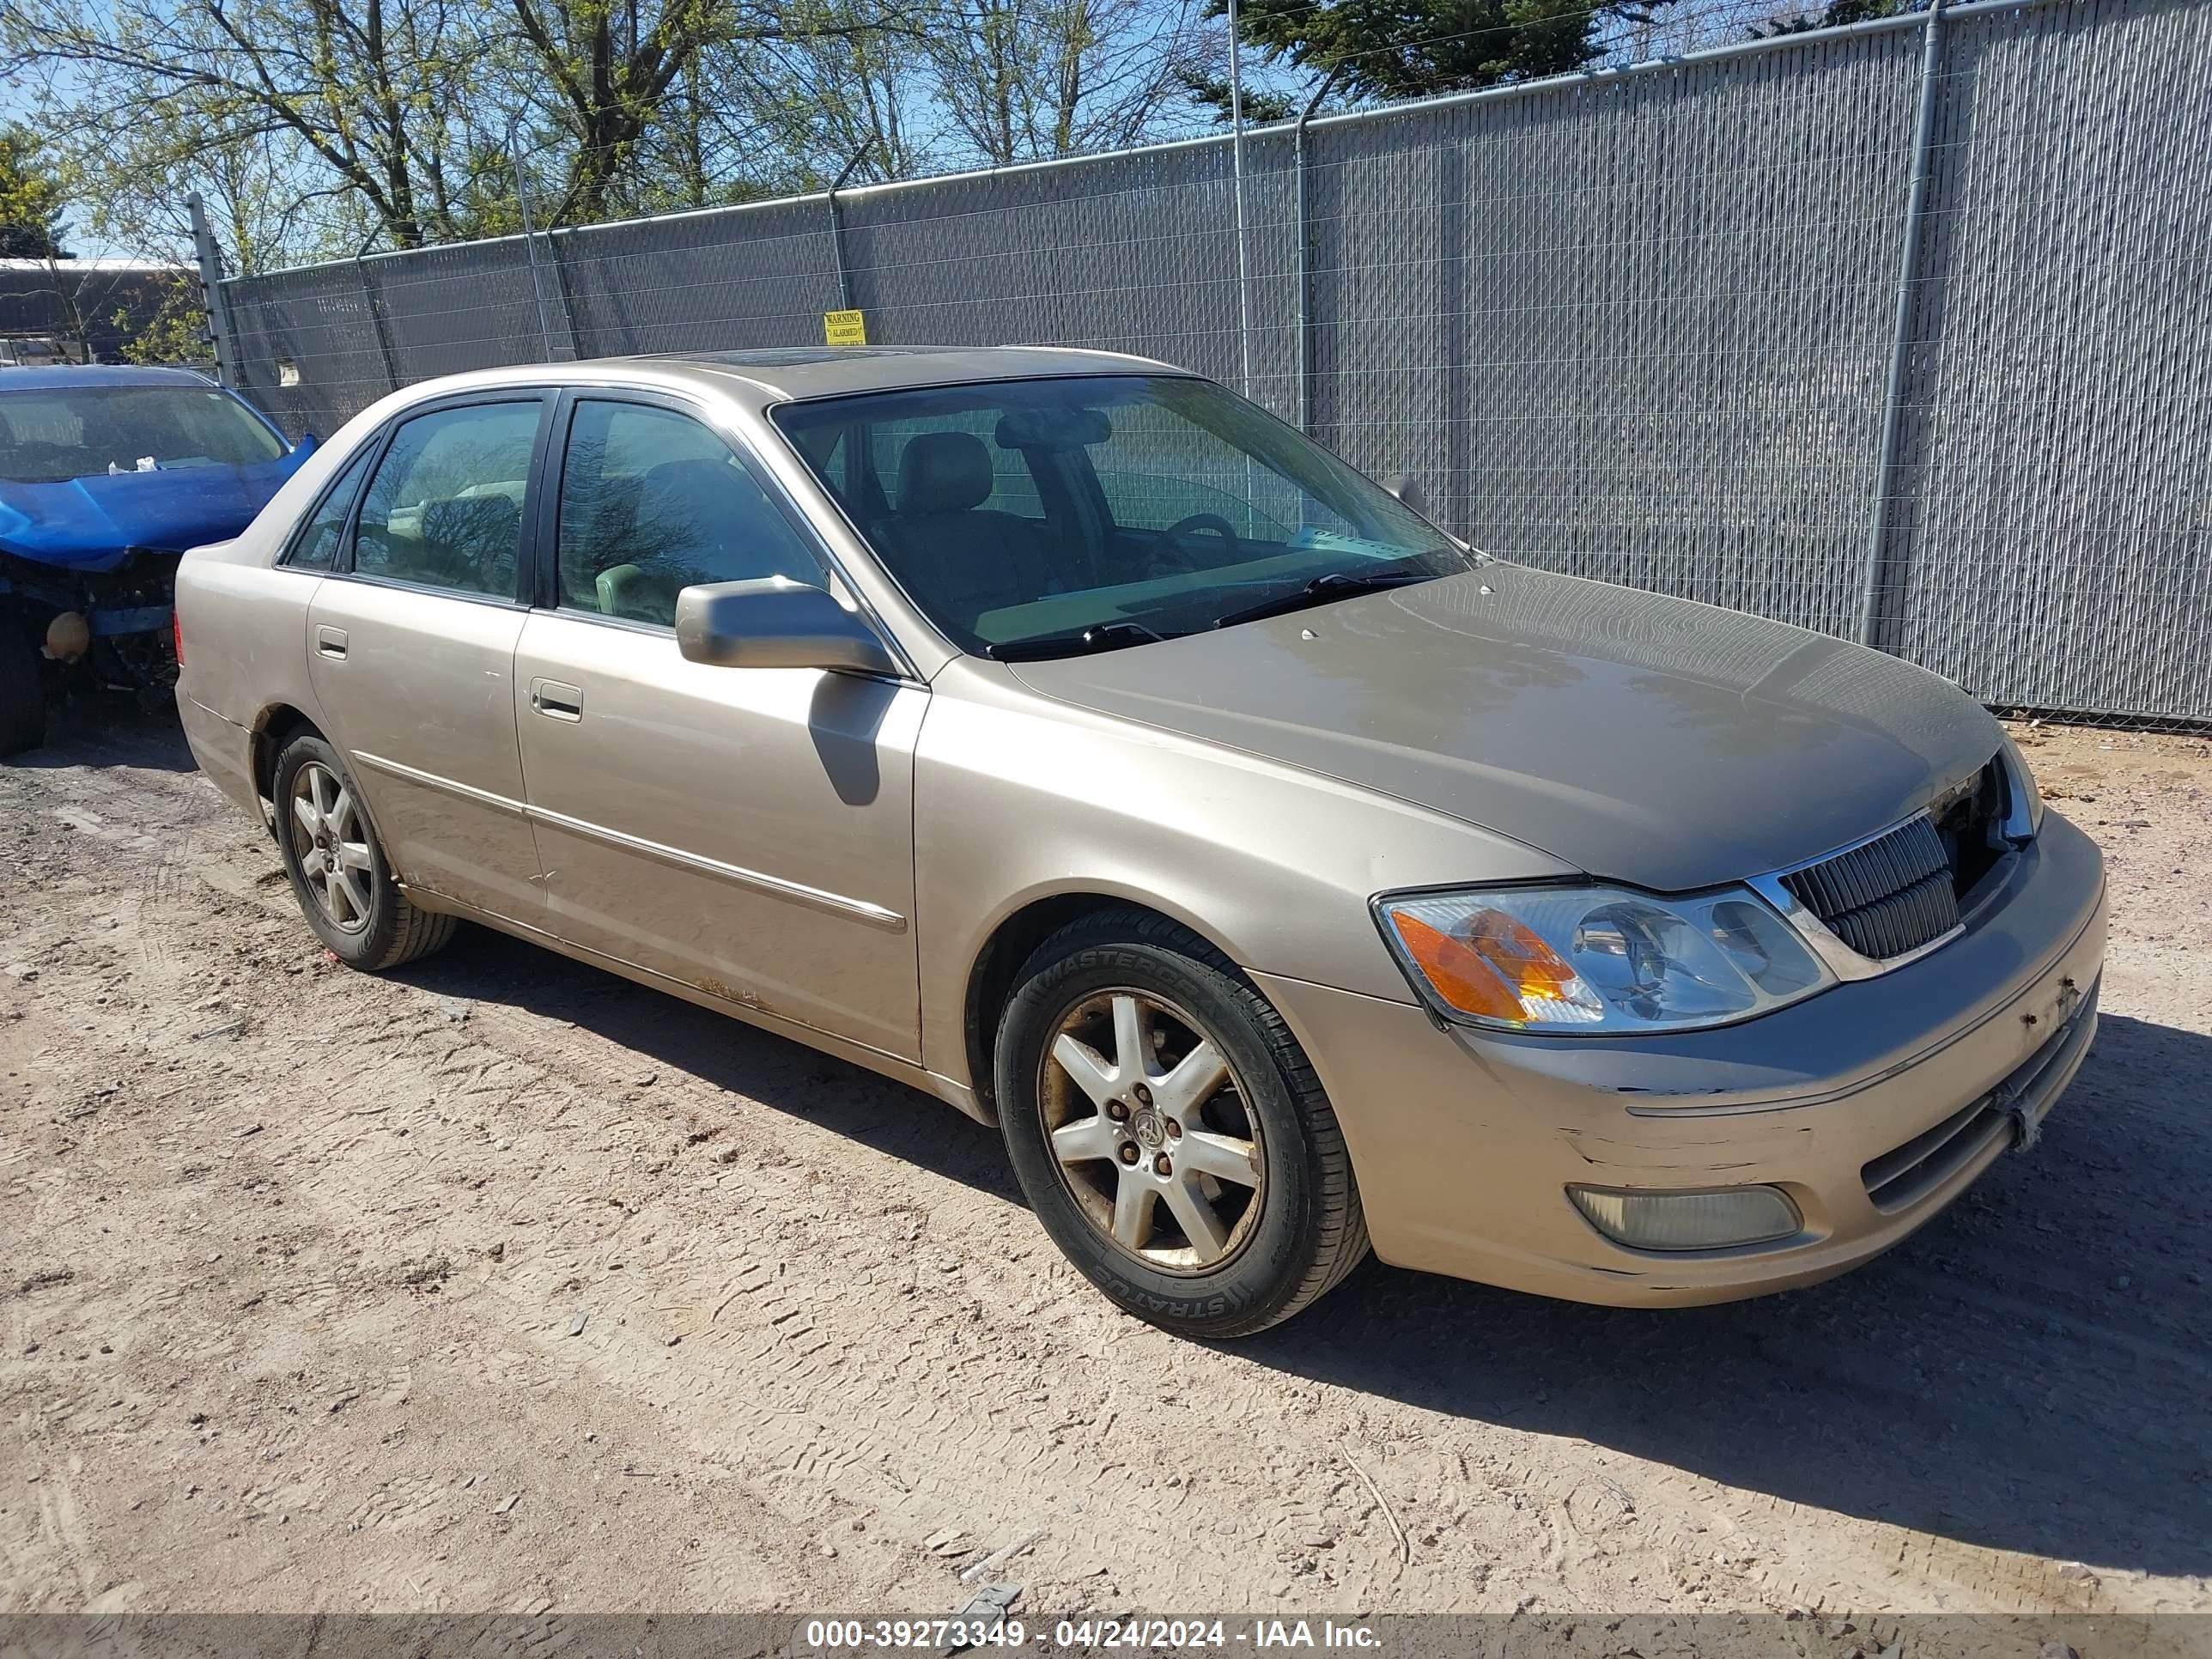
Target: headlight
1598, 961
2023, 799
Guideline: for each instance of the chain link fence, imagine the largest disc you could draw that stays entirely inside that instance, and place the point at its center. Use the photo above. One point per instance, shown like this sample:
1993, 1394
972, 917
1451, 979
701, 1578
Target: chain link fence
1890, 331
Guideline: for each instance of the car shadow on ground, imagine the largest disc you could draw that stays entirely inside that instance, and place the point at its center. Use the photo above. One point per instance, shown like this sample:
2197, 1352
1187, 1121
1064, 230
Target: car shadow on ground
108, 728
722, 1050
2028, 1372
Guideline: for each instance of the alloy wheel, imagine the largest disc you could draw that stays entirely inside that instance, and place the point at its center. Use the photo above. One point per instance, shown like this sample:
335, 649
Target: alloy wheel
330, 839
1150, 1131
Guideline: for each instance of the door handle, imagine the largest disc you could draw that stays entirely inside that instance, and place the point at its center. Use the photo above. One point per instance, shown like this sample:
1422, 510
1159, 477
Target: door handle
331, 642
555, 701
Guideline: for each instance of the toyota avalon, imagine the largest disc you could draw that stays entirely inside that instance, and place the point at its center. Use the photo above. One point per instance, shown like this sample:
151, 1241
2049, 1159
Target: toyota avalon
1069, 738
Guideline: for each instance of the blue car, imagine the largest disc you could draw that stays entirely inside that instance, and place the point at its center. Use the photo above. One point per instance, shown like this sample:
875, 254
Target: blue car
107, 476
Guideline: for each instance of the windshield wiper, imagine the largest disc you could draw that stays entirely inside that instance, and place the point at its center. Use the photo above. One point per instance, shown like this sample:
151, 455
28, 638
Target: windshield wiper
1099, 636
1334, 584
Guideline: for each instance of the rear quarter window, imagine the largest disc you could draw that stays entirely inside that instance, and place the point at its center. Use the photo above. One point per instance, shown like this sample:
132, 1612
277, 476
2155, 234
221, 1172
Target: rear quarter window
315, 544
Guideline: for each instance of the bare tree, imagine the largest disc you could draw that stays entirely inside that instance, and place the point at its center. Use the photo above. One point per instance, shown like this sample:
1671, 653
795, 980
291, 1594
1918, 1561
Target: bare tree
613, 73
1028, 79
366, 93
801, 108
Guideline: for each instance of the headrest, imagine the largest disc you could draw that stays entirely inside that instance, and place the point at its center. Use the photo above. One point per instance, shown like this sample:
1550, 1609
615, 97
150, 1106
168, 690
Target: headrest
943, 472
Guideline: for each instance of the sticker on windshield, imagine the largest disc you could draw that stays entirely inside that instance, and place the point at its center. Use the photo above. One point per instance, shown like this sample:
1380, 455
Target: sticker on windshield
1330, 541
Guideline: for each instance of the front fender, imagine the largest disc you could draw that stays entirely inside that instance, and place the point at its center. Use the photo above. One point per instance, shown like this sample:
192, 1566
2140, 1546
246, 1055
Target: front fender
1020, 799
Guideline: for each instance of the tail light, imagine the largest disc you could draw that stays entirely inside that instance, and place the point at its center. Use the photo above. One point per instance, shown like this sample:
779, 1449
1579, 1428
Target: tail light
177, 633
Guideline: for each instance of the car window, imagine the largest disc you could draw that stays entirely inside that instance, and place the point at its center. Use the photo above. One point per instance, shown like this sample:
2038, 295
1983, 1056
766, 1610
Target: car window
652, 502
50, 435
1158, 469
444, 508
1151, 505
315, 547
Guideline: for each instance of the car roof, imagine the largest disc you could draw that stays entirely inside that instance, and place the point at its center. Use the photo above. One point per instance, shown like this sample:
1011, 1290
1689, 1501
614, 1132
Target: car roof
778, 374
832, 371
73, 376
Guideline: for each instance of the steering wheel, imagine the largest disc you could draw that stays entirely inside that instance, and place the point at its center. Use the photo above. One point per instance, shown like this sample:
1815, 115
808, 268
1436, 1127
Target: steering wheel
1213, 522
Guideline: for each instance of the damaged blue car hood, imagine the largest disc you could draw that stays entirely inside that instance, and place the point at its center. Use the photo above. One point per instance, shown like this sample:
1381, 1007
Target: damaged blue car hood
91, 524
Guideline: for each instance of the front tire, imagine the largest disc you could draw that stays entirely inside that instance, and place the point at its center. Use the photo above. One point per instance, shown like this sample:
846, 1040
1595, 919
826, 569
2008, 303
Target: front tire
338, 866
1169, 1132
22, 689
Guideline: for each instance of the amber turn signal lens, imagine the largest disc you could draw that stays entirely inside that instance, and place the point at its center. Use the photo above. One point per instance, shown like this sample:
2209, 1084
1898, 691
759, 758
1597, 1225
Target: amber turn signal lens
1489, 965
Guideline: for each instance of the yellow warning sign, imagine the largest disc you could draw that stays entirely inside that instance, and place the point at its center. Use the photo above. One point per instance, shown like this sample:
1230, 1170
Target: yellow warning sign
844, 328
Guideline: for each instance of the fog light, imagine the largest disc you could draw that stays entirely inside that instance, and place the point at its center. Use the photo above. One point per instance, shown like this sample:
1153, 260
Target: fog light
68, 636
1688, 1221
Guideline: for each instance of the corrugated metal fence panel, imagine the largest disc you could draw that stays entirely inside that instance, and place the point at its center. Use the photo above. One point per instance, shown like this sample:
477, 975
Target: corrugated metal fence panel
1637, 330
2053, 543
1635, 327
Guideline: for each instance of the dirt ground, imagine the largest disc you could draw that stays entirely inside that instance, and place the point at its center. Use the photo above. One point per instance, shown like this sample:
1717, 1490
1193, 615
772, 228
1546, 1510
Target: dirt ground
503, 1284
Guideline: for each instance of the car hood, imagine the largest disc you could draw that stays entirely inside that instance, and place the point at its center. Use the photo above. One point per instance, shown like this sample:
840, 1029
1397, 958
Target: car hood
1642, 739
90, 524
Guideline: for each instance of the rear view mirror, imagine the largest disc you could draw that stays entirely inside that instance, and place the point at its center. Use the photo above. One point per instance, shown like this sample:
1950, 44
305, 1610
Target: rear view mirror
773, 622
1406, 488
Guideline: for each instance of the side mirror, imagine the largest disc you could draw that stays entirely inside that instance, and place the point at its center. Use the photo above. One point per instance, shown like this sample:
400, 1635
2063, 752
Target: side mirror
1407, 489
773, 622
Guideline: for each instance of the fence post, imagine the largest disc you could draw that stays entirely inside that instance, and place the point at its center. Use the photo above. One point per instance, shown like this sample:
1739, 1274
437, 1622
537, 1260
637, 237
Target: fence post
1305, 252
376, 318
530, 246
838, 224
564, 293
1237, 170
1900, 351
221, 335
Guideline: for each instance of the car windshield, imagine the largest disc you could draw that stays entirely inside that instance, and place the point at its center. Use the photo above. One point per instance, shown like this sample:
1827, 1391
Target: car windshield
59, 433
1049, 517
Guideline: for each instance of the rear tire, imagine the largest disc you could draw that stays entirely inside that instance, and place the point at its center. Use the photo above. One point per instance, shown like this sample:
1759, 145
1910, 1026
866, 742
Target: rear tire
1204, 1187
338, 871
22, 690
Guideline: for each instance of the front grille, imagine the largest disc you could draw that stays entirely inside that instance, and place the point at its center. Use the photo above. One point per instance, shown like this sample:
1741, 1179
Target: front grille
1890, 895
1906, 888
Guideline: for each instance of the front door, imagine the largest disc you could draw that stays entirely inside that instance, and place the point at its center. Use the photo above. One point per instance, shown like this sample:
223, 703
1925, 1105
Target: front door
747, 831
411, 646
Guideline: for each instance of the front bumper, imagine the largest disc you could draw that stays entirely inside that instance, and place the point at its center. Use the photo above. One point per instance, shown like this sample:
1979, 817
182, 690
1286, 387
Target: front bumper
127, 611
1873, 1105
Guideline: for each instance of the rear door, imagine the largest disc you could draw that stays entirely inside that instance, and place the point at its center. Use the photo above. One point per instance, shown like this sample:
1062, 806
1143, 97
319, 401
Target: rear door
411, 646
748, 832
